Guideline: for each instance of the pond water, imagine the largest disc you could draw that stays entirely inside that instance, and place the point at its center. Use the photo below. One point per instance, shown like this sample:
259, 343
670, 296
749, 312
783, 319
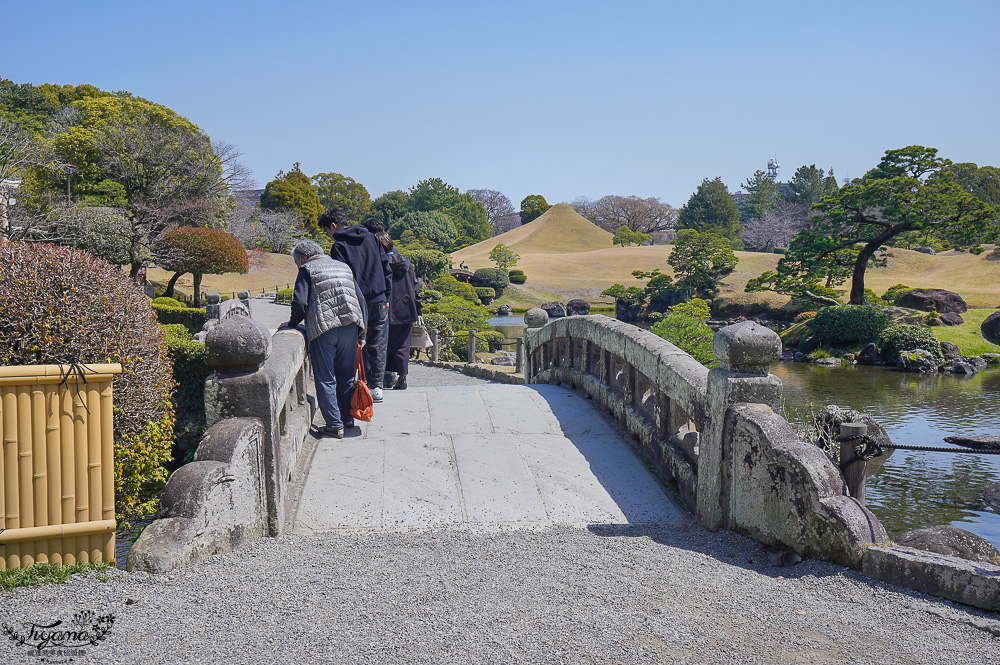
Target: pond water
910, 489
913, 489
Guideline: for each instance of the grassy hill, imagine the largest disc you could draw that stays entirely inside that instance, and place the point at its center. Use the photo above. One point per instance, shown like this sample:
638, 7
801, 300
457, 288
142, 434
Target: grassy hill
266, 272
565, 256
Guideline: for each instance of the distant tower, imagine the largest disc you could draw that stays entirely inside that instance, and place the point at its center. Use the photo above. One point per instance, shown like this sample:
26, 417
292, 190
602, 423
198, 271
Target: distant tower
772, 168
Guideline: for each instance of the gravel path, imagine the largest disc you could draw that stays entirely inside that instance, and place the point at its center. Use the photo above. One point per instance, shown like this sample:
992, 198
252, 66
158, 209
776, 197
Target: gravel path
563, 595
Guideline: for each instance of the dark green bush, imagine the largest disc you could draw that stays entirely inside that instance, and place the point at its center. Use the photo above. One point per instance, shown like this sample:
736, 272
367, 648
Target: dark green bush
430, 295
895, 292
903, 337
690, 335
449, 286
190, 369
873, 298
516, 271
848, 324
495, 278
486, 294
518, 279
190, 317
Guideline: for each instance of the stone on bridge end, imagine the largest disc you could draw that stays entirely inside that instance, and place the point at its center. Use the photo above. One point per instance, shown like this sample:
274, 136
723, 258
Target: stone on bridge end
536, 317
238, 344
747, 348
213, 298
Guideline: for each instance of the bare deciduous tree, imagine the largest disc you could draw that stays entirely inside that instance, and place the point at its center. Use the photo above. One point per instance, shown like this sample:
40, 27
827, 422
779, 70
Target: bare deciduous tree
170, 177
584, 206
18, 151
641, 215
498, 208
777, 227
254, 228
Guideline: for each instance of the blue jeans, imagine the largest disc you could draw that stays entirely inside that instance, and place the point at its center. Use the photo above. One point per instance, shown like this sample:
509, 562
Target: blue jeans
334, 355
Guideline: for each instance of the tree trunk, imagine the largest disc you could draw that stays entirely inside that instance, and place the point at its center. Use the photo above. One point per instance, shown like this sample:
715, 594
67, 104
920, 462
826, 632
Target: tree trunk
169, 293
860, 266
197, 289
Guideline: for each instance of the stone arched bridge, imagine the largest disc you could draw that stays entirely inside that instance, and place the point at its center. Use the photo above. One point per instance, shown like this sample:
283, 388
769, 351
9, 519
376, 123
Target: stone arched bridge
613, 421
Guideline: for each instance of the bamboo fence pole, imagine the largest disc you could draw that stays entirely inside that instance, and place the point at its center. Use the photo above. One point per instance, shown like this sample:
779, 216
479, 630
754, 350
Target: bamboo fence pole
40, 459
82, 458
25, 469
6, 422
53, 530
52, 435
94, 466
108, 464
68, 477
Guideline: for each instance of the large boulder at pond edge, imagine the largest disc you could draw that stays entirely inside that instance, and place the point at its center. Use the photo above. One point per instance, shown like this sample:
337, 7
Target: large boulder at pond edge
625, 311
950, 351
870, 355
992, 497
933, 300
950, 541
958, 367
991, 327
577, 307
554, 309
917, 360
504, 310
536, 317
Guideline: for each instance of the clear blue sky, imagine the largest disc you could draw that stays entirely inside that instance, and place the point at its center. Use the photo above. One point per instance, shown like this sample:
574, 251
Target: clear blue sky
561, 99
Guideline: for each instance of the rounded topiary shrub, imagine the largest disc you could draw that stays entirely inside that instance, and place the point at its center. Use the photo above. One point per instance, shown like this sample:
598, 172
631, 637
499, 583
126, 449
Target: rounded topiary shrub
494, 278
60, 301
895, 292
167, 302
518, 279
903, 337
449, 286
848, 324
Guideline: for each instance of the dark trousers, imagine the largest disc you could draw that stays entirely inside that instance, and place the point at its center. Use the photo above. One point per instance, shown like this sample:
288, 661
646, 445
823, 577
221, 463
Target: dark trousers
375, 343
334, 356
398, 349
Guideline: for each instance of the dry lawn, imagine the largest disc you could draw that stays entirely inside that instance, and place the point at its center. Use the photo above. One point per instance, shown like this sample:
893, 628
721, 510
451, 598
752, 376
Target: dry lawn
565, 256
267, 271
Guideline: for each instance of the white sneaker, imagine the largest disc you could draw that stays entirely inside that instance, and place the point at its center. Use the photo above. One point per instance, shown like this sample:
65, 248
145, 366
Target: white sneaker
376, 394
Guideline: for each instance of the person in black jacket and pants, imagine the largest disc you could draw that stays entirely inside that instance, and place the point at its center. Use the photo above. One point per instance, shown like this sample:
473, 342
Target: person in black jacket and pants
404, 308
358, 248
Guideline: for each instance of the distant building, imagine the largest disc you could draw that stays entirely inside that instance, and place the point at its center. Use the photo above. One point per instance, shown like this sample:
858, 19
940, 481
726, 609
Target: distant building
7, 189
249, 197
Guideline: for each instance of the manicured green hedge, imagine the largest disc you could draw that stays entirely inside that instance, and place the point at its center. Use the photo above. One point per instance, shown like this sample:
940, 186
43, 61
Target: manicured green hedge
518, 279
190, 317
848, 324
190, 369
904, 337
167, 302
486, 294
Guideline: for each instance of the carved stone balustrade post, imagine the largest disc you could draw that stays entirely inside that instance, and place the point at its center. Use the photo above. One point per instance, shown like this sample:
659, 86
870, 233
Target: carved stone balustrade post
745, 352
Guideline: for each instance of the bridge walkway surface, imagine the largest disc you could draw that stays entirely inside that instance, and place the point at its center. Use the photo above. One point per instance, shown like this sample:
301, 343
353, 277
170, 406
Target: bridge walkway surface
454, 529
480, 456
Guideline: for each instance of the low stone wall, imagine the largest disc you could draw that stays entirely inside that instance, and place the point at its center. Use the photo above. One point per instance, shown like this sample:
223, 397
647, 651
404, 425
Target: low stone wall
265, 377
476, 370
715, 433
215, 503
243, 482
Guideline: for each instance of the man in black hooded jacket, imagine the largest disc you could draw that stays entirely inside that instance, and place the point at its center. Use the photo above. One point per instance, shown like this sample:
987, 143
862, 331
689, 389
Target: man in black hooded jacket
358, 248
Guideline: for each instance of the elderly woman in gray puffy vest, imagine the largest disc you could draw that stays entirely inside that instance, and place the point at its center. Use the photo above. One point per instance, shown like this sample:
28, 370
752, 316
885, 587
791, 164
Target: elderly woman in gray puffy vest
330, 301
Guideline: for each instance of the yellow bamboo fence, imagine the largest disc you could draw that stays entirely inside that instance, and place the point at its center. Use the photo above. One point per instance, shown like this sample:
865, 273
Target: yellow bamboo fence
57, 498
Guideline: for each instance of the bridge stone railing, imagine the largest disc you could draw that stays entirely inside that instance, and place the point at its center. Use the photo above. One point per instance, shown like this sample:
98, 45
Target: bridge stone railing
244, 480
715, 432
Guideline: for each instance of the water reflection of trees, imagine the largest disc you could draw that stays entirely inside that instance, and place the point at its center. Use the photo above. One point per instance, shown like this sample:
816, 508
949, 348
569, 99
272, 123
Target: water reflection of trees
913, 489
916, 489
